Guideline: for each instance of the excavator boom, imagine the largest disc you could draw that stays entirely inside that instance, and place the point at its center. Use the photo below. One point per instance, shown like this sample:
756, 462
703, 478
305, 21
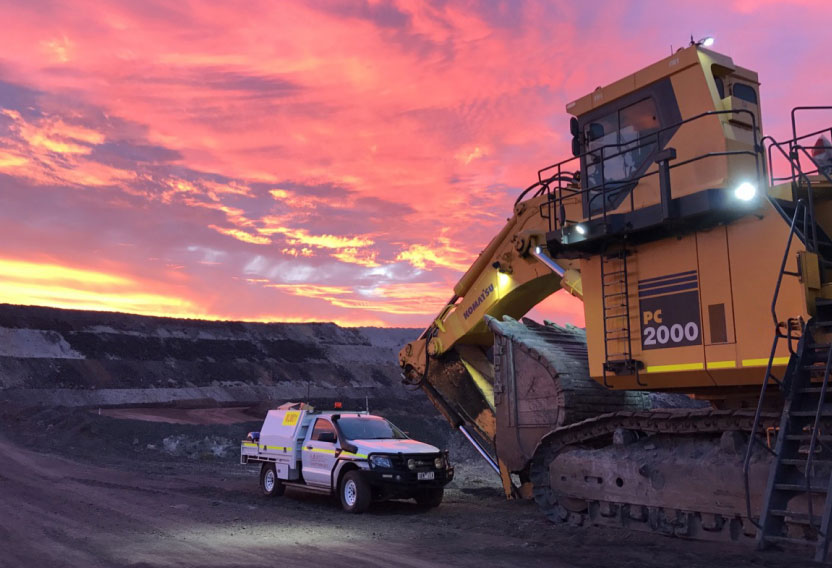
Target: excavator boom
450, 359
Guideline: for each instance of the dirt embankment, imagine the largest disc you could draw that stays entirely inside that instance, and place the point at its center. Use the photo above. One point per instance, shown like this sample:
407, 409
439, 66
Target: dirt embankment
57, 357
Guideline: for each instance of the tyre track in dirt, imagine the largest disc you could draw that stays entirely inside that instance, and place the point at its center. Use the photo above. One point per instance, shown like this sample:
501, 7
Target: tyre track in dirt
58, 512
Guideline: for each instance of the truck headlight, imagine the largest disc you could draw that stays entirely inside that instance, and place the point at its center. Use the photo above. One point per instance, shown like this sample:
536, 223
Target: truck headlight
411, 464
439, 463
383, 462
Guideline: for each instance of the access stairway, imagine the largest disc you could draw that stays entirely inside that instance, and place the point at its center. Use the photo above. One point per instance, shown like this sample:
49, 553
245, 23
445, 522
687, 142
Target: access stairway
797, 506
798, 503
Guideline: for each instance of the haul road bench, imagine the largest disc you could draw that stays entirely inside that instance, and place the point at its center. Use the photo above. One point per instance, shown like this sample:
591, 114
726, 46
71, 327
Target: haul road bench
360, 456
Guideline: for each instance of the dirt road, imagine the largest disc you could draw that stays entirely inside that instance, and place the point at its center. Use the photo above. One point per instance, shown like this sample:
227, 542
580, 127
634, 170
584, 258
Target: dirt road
56, 511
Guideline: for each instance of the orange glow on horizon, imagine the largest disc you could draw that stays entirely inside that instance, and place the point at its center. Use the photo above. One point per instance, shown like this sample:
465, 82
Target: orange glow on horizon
317, 161
49, 284
35, 284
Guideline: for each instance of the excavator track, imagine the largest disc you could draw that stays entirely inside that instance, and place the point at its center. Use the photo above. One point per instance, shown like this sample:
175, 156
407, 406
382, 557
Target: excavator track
655, 503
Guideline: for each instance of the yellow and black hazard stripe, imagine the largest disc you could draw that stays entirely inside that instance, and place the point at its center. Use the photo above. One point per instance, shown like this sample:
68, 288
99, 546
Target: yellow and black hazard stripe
760, 362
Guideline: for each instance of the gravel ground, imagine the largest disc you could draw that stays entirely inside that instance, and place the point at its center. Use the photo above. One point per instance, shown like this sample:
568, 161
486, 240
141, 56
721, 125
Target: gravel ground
79, 489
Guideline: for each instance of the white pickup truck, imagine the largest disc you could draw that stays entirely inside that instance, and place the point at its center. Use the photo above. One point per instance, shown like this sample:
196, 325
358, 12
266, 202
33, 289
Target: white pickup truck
360, 456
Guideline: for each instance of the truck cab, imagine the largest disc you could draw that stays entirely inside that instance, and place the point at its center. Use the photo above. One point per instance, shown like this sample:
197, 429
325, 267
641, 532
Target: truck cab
358, 456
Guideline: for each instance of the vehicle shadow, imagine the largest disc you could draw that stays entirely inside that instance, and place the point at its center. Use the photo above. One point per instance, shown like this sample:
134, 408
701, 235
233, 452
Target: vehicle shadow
378, 508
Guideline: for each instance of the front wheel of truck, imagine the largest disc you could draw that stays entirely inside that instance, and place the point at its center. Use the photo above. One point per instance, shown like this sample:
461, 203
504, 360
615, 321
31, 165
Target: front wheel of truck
355, 492
270, 485
430, 498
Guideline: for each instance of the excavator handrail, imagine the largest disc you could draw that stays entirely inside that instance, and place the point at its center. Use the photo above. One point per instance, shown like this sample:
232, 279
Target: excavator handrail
793, 142
543, 184
797, 173
794, 119
652, 139
746, 466
818, 169
801, 205
684, 163
658, 132
794, 147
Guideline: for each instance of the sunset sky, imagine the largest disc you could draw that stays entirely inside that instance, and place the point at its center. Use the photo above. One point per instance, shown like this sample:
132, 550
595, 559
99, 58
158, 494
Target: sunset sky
318, 161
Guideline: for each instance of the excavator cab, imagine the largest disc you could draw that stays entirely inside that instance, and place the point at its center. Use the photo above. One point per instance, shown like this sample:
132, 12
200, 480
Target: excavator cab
659, 150
672, 175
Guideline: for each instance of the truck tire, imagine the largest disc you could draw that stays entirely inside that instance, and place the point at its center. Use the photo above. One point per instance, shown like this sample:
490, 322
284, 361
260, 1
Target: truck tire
270, 485
430, 498
355, 492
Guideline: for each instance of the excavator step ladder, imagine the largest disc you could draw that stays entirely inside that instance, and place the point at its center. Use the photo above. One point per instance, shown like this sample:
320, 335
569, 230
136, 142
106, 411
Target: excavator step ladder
798, 500
615, 305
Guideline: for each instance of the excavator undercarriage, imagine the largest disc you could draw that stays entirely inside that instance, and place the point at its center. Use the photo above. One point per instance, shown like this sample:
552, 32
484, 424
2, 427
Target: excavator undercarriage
675, 471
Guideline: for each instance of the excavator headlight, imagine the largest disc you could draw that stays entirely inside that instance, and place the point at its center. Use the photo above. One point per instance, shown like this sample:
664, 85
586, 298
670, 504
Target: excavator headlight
745, 191
580, 229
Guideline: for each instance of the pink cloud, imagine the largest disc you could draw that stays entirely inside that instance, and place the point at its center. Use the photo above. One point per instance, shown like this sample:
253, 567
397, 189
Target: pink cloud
333, 145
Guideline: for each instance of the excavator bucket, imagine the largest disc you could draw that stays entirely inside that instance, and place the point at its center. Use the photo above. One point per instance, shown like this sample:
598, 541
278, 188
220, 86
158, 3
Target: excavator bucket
541, 382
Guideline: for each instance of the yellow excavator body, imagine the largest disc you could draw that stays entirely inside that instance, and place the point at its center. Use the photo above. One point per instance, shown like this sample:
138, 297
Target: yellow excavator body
702, 271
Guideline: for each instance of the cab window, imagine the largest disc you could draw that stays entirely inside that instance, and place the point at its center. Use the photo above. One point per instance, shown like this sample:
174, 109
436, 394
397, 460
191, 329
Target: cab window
745, 92
720, 86
323, 431
619, 143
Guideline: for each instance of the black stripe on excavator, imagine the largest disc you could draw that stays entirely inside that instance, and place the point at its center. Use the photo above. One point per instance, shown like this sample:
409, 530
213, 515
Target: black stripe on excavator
659, 285
667, 289
659, 280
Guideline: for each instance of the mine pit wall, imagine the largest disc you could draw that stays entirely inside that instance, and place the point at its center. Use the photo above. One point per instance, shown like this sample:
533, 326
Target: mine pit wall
66, 363
51, 357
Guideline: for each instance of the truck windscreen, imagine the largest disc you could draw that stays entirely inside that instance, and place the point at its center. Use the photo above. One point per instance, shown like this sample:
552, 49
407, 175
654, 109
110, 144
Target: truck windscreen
369, 428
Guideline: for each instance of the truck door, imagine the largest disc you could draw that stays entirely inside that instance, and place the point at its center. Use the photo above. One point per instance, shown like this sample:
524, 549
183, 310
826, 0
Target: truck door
319, 453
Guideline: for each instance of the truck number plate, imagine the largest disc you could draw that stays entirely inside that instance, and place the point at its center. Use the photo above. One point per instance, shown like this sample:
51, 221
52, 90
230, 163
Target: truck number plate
424, 475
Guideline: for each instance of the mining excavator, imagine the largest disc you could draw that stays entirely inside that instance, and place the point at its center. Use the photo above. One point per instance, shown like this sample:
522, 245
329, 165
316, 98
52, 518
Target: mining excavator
701, 251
